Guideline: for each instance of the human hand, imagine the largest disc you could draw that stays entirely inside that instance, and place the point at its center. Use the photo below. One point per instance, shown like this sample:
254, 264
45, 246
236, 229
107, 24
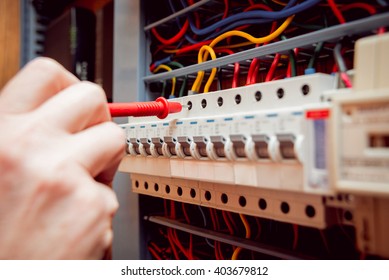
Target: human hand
58, 152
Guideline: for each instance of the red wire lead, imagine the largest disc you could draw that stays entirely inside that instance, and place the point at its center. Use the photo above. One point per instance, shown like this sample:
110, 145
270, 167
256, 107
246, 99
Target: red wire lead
160, 108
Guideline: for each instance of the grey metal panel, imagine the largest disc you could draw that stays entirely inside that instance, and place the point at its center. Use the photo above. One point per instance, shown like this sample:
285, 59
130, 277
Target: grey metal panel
29, 37
327, 34
126, 244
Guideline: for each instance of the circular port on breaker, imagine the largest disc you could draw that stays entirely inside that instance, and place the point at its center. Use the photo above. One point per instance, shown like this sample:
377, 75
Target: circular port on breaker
192, 193
242, 201
224, 198
285, 207
146, 186
280, 93
203, 103
220, 101
305, 89
179, 191
167, 189
207, 195
310, 211
238, 99
156, 187
262, 204
136, 184
258, 95
190, 105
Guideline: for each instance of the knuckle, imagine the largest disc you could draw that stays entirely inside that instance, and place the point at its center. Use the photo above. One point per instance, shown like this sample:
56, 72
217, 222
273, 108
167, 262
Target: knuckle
54, 185
47, 65
95, 90
94, 95
107, 199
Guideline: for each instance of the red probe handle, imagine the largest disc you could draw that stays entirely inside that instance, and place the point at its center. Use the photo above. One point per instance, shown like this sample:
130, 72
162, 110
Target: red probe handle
160, 108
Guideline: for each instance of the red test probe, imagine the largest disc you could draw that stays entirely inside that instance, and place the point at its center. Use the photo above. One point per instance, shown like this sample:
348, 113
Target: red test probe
160, 108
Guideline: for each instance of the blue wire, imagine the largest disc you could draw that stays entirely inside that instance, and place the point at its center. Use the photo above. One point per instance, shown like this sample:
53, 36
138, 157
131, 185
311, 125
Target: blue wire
227, 28
162, 61
236, 24
254, 14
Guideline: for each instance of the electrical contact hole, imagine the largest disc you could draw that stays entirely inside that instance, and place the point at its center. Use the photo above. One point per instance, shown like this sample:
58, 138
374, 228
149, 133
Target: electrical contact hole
220, 101
224, 198
179, 191
285, 207
262, 204
207, 195
242, 201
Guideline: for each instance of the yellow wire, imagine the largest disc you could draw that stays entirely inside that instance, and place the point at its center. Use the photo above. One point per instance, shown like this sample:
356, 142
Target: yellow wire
235, 45
245, 35
165, 67
171, 51
279, 2
200, 57
248, 235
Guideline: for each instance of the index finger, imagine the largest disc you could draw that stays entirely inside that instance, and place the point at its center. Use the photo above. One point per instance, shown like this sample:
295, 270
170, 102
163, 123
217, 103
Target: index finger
34, 84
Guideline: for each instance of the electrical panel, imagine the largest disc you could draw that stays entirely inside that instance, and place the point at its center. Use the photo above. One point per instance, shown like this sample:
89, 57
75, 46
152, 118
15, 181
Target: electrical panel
281, 149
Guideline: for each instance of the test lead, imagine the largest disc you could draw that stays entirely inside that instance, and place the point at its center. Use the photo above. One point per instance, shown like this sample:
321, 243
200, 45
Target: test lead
160, 108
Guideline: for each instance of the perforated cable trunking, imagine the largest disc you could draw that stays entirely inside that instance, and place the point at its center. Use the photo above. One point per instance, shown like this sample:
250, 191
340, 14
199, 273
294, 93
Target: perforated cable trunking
249, 166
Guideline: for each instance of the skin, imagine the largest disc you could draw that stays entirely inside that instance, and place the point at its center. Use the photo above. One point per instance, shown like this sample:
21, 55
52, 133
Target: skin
58, 153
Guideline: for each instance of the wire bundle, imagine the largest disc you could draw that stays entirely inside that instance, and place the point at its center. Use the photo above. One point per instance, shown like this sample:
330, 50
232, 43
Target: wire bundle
210, 32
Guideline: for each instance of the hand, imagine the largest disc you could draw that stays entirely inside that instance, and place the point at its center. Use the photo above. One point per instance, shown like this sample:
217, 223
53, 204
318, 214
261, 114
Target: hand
58, 152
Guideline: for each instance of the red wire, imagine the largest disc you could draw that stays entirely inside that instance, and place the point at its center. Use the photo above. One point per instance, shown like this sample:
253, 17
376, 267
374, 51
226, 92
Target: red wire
170, 231
253, 70
175, 38
229, 215
217, 255
219, 248
235, 78
180, 246
250, 74
156, 247
197, 17
367, 7
154, 253
346, 80
279, 77
185, 213
254, 76
190, 253
273, 67
229, 226
172, 210
336, 11
196, 46
170, 239
226, 8
258, 6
